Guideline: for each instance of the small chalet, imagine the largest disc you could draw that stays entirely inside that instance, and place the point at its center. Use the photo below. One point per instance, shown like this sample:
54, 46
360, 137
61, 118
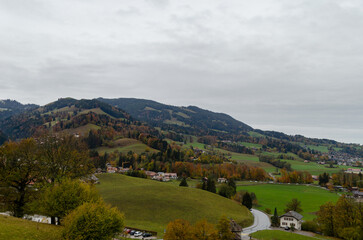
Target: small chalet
291, 219
354, 170
357, 194
150, 174
171, 175
111, 169
222, 180
123, 170
236, 230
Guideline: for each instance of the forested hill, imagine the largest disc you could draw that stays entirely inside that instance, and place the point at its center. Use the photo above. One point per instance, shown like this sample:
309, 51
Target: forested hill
187, 120
3, 138
64, 114
10, 107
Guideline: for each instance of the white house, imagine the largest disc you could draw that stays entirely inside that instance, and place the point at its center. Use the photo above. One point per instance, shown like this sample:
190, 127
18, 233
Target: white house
222, 180
291, 219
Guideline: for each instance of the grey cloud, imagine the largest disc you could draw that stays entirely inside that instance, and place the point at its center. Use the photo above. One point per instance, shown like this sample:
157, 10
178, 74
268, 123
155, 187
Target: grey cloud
292, 66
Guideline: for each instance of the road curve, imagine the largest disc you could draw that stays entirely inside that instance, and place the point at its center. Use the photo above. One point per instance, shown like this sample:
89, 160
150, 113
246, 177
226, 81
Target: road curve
261, 222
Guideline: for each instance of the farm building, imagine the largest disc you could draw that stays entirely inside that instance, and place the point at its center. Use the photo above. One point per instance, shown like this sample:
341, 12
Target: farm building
291, 219
222, 180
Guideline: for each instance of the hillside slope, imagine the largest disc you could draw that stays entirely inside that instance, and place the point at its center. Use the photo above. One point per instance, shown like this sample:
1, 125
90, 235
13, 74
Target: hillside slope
150, 205
10, 107
190, 120
63, 114
12, 228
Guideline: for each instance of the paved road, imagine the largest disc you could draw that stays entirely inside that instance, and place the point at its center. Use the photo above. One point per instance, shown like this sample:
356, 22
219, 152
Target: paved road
261, 222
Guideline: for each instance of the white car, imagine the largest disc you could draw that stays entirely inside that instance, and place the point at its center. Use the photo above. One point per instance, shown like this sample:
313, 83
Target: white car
138, 234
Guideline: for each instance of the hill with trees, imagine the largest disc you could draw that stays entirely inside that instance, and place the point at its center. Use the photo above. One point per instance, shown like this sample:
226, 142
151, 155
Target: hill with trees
187, 120
11, 107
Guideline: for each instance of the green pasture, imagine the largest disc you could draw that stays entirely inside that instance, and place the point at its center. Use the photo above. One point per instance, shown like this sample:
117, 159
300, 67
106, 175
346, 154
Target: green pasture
151, 205
283, 235
12, 228
277, 195
137, 148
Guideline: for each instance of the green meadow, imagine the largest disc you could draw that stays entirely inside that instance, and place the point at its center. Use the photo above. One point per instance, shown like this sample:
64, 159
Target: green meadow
151, 205
278, 195
283, 235
12, 228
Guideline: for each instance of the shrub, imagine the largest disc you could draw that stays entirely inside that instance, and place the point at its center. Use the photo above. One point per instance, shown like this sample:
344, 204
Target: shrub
93, 221
268, 210
310, 226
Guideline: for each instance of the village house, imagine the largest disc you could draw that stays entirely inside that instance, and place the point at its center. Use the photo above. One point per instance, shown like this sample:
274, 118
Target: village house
357, 194
165, 177
150, 174
291, 219
354, 170
123, 170
171, 175
111, 169
222, 180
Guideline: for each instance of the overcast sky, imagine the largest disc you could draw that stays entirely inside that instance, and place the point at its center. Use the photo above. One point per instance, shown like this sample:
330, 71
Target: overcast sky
292, 66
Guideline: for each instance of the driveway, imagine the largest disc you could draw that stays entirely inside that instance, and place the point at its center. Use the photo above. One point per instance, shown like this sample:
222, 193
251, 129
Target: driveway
261, 222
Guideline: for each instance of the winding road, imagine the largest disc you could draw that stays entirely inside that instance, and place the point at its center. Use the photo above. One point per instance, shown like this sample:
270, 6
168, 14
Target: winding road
261, 222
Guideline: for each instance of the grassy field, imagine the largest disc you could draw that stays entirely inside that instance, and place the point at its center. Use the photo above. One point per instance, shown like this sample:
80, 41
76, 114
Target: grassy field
151, 205
19, 229
314, 168
282, 235
277, 195
83, 130
125, 145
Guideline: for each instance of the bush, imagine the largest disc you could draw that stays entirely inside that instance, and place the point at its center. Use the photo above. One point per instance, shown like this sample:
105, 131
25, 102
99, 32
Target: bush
93, 221
268, 210
183, 182
310, 226
226, 191
62, 198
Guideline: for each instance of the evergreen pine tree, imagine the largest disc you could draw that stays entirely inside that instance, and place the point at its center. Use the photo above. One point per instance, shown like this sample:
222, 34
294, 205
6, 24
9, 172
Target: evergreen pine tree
247, 200
275, 219
183, 182
211, 186
232, 184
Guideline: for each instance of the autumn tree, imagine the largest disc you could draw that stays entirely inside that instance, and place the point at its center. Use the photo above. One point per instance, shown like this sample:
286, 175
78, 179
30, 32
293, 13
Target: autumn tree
19, 168
293, 205
343, 220
326, 218
203, 230
60, 199
226, 191
323, 179
93, 221
224, 229
179, 229
63, 156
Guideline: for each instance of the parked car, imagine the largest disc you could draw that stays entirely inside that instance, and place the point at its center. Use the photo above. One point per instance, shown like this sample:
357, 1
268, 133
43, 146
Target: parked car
147, 235
287, 228
137, 234
132, 232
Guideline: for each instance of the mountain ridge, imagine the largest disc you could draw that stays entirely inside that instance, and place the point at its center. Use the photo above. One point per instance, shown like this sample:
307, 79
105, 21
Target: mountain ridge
190, 119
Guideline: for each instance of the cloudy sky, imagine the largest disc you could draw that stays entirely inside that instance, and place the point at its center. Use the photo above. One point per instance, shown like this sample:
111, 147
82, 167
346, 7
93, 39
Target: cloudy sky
291, 66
